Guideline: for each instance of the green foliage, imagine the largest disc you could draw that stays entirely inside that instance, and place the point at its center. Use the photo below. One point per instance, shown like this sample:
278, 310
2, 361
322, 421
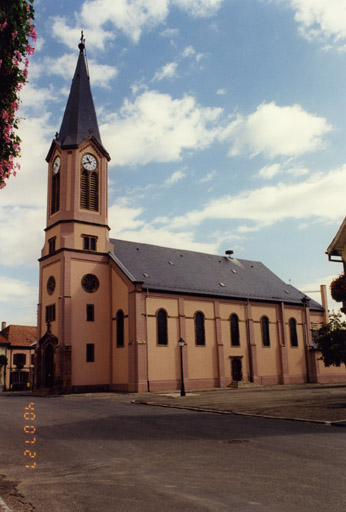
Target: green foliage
331, 341
16, 28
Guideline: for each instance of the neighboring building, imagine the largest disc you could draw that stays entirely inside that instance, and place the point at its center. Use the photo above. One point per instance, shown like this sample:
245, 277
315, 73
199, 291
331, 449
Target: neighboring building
111, 312
17, 344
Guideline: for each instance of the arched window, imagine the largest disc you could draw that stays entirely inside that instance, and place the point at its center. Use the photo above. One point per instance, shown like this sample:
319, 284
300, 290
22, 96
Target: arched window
161, 319
120, 328
235, 341
55, 199
293, 332
265, 331
89, 190
199, 328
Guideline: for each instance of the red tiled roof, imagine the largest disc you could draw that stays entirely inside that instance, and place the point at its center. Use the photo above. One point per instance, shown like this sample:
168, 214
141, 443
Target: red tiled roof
20, 335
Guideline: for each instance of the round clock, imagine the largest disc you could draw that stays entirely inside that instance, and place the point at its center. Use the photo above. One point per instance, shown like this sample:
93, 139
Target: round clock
89, 162
56, 165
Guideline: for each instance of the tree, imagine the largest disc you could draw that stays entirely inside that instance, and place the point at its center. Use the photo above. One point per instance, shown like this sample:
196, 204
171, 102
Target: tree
3, 363
16, 28
331, 341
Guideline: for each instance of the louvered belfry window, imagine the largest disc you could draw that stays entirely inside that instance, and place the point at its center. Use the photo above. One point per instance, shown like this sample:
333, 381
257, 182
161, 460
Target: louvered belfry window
89, 190
55, 202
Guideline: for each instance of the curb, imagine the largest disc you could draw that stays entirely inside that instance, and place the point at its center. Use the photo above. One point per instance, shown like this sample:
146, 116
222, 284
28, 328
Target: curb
328, 423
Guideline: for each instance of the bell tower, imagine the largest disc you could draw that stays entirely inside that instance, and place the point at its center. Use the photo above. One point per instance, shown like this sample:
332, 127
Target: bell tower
73, 282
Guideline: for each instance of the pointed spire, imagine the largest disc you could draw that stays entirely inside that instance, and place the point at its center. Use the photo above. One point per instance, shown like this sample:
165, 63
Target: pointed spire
79, 120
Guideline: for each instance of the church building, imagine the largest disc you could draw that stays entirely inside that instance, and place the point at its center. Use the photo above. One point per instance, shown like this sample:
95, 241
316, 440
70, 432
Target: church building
111, 313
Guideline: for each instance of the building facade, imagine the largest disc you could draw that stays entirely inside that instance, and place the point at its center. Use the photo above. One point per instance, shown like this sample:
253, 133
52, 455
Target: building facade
111, 312
17, 344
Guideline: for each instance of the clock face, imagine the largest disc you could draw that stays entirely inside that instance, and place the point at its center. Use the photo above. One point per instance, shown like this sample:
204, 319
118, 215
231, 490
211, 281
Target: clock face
89, 162
56, 165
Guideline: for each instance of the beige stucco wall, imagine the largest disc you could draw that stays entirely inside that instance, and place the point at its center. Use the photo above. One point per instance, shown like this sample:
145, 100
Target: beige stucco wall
120, 300
296, 355
163, 362
226, 310
202, 360
268, 358
83, 332
50, 269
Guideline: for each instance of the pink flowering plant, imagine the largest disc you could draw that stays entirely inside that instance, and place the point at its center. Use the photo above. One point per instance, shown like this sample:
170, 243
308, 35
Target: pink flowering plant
16, 33
338, 288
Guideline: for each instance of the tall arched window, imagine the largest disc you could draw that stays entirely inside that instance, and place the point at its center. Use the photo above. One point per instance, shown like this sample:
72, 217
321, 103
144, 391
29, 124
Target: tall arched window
89, 190
120, 328
55, 199
199, 328
265, 331
161, 319
235, 341
293, 332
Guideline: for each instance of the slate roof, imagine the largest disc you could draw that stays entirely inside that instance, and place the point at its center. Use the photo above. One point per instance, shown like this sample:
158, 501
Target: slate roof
80, 115
19, 335
180, 271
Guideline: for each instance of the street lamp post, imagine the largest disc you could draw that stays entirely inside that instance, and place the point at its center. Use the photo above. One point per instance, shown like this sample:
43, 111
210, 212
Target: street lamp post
182, 389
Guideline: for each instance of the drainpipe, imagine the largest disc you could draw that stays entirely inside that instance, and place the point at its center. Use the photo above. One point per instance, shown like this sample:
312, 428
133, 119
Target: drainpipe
147, 336
249, 341
306, 303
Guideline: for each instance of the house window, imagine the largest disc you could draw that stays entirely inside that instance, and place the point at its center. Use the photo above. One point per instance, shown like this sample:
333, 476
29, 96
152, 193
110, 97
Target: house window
120, 328
161, 321
89, 243
51, 245
55, 199
89, 190
293, 332
90, 352
19, 359
235, 341
265, 331
199, 329
90, 312
50, 313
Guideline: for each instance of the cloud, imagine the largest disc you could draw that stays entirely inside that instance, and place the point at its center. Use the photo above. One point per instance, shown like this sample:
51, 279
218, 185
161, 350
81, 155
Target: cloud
158, 128
18, 301
276, 131
208, 177
199, 8
320, 197
269, 171
221, 92
132, 17
321, 19
167, 71
312, 289
174, 178
128, 226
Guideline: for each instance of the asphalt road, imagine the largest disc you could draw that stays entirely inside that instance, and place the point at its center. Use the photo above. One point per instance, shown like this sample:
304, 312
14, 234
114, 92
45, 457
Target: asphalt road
101, 453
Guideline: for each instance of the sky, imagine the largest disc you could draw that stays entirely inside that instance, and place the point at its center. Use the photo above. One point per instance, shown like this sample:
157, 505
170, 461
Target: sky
225, 121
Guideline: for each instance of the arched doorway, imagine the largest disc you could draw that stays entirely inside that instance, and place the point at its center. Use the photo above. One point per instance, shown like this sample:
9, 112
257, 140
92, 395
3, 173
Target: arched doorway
237, 374
48, 358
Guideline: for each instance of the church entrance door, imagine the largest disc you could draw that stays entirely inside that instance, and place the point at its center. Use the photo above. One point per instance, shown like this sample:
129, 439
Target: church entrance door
237, 374
49, 366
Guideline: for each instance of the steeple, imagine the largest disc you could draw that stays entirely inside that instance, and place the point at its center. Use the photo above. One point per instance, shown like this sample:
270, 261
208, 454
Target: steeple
79, 120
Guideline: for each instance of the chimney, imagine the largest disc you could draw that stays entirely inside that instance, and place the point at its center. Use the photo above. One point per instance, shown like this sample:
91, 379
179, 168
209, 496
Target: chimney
3, 325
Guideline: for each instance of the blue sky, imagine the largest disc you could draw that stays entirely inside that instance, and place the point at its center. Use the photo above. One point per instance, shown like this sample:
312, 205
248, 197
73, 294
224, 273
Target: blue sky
224, 119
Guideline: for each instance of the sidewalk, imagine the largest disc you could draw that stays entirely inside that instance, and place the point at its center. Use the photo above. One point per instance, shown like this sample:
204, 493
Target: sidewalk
324, 403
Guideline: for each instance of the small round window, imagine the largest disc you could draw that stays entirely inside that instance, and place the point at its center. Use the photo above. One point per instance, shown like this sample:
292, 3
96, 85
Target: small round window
90, 283
51, 285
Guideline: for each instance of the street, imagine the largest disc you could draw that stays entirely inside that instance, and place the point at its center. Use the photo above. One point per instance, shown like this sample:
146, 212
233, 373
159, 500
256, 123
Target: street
104, 453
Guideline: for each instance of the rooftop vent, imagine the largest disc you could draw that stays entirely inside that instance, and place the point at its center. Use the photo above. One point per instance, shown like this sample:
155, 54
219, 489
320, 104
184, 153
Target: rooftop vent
222, 284
234, 271
145, 275
229, 253
170, 263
